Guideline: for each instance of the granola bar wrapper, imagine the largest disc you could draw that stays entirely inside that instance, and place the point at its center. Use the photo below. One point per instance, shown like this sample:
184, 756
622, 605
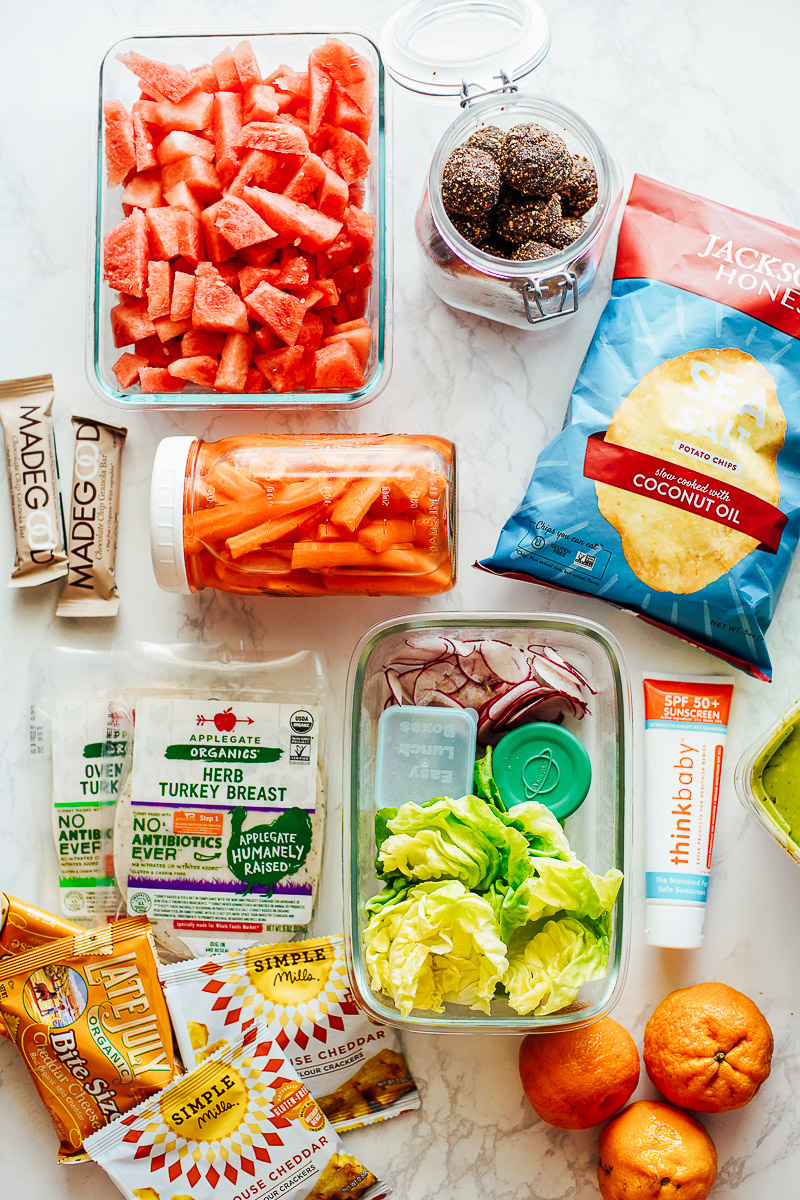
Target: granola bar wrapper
354, 1068
88, 1017
90, 590
24, 927
242, 1124
26, 407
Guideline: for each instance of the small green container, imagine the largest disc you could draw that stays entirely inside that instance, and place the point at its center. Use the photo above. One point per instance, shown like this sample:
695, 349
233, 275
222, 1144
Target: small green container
749, 780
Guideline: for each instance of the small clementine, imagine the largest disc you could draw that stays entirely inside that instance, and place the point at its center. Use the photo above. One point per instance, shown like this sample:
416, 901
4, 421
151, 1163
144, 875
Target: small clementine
708, 1048
653, 1151
579, 1077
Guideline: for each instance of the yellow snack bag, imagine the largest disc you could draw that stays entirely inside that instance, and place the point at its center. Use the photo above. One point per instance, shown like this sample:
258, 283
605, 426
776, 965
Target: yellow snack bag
88, 1017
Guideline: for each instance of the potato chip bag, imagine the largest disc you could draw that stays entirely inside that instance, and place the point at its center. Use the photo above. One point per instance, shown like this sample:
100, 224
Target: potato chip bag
674, 487
354, 1068
241, 1126
88, 1017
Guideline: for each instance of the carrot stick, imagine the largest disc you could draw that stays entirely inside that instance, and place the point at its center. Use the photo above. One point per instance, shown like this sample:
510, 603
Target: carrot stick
380, 535
345, 583
272, 530
353, 506
326, 556
225, 478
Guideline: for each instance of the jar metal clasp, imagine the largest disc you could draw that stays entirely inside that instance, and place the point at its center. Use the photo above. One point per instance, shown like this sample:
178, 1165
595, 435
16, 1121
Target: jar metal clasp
507, 84
539, 296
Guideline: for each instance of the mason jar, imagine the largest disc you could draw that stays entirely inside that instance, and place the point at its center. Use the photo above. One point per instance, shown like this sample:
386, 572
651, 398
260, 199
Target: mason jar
423, 53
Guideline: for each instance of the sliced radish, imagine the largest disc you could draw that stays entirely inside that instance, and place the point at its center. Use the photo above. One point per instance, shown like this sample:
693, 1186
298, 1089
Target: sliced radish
440, 700
556, 677
522, 693
505, 661
557, 661
395, 685
475, 666
440, 677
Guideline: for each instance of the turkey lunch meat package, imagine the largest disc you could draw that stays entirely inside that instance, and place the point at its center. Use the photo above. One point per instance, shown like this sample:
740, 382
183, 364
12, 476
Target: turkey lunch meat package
673, 488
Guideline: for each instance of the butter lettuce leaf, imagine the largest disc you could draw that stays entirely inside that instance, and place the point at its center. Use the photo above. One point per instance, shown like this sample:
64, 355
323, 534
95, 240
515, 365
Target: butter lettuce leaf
543, 831
548, 965
461, 839
436, 943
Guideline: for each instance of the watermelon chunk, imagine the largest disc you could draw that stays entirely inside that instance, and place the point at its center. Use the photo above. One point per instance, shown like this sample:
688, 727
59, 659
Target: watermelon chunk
263, 254
260, 103
205, 77
218, 248
333, 195
157, 354
320, 84
294, 83
199, 342
216, 306
347, 115
227, 130
310, 331
159, 79
144, 190
300, 224
201, 369
182, 296
199, 175
125, 255
179, 144
337, 367
225, 71
159, 289
359, 226
234, 363
143, 144
266, 340
281, 368
167, 329
295, 275
251, 277
127, 368
305, 182
158, 379
352, 156
180, 196
190, 114
360, 339
254, 384
278, 137
246, 65
163, 226
283, 313
120, 144
239, 224
350, 70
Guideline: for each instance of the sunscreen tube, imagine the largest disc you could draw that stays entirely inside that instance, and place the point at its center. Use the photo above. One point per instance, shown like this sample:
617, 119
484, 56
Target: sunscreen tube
686, 721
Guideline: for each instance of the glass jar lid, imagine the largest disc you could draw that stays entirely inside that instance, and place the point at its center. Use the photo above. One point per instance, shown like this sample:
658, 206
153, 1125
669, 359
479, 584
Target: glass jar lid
447, 47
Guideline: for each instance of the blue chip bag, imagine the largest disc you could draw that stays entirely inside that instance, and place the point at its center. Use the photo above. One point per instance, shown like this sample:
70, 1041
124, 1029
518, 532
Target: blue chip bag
673, 488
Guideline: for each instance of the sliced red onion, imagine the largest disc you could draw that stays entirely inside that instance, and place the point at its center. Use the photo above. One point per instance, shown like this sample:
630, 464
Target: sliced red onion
505, 661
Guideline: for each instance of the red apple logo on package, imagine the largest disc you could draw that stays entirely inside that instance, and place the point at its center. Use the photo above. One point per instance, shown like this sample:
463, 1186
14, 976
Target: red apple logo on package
225, 721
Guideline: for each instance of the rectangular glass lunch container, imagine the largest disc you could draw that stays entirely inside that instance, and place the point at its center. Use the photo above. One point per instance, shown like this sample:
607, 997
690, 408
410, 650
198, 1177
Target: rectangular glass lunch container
599, 832
117, 82
749, 786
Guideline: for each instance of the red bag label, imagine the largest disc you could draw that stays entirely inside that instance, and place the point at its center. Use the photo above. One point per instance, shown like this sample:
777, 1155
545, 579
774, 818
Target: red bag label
695, 244
684, 488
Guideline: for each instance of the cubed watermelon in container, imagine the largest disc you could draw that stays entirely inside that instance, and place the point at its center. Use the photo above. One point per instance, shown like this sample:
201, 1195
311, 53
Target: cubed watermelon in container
239, 251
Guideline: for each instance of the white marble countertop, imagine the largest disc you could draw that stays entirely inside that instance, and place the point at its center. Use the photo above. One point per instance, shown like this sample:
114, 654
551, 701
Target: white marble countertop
704, 96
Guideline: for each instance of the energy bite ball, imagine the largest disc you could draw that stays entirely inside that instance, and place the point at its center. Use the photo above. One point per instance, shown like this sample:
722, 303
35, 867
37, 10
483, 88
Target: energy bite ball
530, 250
535, 160
491, 140
567, 232
470, 182
477, 230
523, 219
579, 192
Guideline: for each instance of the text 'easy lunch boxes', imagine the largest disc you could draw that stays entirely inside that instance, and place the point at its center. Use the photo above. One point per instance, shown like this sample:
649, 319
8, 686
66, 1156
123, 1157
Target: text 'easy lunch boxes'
598, 832
285, 182
314, 515
478, 51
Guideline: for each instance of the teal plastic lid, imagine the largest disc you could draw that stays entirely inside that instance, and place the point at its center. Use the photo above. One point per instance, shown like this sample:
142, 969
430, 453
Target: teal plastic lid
543, 762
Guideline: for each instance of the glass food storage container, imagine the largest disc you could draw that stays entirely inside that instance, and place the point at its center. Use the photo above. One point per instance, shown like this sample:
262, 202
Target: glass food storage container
339, 305
294, 515
598, 832
767, 781
439, 49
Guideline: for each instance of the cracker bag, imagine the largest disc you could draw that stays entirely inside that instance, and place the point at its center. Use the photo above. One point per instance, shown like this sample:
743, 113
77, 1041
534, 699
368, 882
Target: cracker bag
24, 927
673, 489
354, 1068
241, 1126
88, 1017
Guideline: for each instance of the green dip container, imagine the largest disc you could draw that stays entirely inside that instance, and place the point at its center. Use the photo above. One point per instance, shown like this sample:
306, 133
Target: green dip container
768, 781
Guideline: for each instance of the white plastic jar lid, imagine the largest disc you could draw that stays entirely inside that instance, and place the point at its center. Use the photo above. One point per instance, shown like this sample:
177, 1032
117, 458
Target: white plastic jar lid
435, 46
166, 514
